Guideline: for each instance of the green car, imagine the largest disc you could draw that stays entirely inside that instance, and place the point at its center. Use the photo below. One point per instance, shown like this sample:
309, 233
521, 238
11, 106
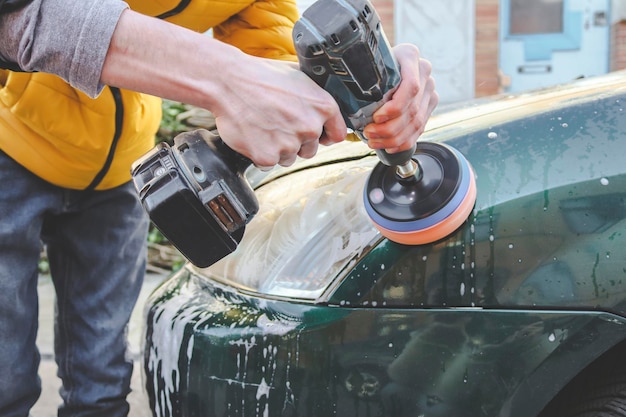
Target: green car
521, 312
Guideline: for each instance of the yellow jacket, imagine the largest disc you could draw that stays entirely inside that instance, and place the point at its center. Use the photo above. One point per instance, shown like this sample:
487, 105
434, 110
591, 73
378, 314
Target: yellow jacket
74, 141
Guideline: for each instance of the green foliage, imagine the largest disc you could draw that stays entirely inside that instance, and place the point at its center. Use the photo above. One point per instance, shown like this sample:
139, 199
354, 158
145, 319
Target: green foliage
155, 236
44, 266
171, 124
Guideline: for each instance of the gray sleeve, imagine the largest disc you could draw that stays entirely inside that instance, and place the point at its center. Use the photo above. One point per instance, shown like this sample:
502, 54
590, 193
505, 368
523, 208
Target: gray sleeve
69, 38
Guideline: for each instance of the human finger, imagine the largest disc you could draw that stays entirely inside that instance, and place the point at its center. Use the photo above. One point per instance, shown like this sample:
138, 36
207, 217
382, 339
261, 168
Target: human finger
308, 149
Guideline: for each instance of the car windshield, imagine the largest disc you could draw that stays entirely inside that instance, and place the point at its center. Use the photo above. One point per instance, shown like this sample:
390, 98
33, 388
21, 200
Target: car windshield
311, 225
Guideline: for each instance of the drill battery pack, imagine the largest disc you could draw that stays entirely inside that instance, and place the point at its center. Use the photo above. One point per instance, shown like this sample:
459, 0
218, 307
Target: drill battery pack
196, 194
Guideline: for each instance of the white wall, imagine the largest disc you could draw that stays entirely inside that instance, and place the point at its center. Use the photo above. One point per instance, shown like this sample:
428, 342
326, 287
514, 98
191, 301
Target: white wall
303, 4
444, 32
618, 11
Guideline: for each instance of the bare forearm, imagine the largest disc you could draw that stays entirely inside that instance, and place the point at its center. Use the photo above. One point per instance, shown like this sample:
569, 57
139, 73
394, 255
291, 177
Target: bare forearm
267, 110
158, 58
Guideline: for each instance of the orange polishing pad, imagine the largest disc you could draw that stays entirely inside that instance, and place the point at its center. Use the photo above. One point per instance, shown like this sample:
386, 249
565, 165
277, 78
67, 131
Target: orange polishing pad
428, 206
438, 231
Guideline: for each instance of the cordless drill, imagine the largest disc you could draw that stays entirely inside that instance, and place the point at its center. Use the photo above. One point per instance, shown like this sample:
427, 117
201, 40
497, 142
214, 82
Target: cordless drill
413, 197
196, 192
341, 45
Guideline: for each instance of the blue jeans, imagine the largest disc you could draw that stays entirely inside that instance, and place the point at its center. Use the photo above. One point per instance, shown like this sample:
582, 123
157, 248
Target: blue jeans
96, 243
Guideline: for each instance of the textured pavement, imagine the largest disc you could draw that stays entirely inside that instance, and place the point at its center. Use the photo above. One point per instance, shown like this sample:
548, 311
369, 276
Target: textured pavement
50, 399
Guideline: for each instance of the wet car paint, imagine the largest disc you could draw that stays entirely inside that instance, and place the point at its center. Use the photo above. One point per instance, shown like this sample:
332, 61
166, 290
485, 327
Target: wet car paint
493, 320
260, 358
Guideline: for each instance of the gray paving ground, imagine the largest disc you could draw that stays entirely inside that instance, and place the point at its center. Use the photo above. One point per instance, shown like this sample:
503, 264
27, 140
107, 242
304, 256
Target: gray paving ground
50, 399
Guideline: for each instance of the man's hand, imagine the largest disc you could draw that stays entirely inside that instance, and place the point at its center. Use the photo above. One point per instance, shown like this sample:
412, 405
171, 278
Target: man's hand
400, 121
269, 111
273, 112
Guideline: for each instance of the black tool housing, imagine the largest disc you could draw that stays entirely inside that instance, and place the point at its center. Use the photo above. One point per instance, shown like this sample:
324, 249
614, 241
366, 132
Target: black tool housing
196, 194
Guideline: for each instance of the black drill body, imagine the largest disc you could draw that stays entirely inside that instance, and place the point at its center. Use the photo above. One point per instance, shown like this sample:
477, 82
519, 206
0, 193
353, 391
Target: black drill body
341, 45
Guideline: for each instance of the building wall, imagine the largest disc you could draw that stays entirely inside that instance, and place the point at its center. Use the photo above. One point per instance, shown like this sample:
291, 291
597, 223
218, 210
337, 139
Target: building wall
487, 76
618, 45
618, 35
444, 32
385, 11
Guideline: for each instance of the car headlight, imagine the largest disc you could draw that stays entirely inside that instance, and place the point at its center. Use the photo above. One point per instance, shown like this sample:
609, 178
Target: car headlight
311, 225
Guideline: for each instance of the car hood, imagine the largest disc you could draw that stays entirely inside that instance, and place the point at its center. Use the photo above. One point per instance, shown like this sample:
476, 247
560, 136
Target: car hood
312, 229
